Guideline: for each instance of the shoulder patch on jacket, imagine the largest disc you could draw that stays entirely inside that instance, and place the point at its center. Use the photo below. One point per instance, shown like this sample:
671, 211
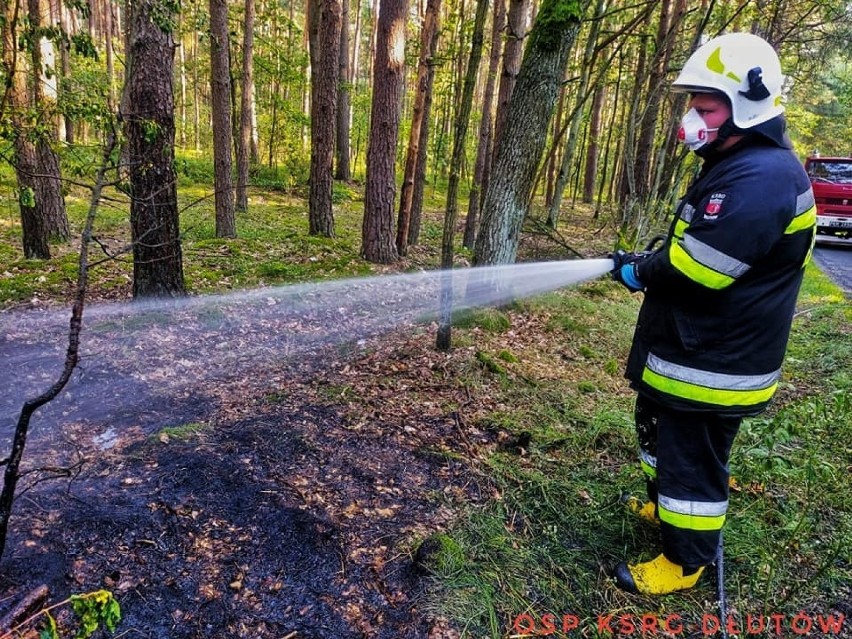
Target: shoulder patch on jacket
714, 205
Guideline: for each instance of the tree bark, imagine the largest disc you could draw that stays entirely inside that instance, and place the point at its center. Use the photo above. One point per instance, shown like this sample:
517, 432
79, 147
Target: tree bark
656, 87
593, 147
483, 154
342, 169
388, 67
512, 52
246, 94
420, 169
67, 131
425, 77
519, 152
324, 86
50, 203
220, 99
576, 117
35, 235
462, 121
150, 131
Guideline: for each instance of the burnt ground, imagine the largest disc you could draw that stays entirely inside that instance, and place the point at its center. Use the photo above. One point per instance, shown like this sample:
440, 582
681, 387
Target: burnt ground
294, 513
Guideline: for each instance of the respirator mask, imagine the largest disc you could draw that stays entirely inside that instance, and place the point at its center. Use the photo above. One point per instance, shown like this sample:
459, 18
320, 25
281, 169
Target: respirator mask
693, 130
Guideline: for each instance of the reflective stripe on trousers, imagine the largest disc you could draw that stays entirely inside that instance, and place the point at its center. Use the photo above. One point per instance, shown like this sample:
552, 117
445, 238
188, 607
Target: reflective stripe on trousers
707, 387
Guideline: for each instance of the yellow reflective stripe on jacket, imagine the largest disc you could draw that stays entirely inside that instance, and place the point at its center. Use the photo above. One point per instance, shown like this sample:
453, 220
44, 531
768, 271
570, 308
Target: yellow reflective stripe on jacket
695, 270
811, 249
692, 515
718, 389
802, 222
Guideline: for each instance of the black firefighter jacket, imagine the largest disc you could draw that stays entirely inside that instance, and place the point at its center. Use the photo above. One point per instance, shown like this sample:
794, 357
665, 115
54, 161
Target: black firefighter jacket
721, 293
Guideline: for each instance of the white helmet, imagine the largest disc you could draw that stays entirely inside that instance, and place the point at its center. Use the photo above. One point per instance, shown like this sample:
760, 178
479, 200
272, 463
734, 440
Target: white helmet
742, 66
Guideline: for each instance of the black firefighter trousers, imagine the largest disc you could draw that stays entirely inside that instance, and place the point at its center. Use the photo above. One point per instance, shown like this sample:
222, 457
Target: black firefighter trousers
685, 459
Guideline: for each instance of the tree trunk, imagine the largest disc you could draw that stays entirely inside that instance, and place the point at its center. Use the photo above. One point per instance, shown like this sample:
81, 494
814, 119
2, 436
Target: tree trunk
342, 170
324, 85
656, 87
196, 95
388, 67
220, 99
483, 154
627, 187
519, 152
244, 137
512, 52
108, 40
462, 121
425, 77
67, 131
420, 168
150, 132
576, 116
49, 201
355, 72
182, 74
592, 149
35, 235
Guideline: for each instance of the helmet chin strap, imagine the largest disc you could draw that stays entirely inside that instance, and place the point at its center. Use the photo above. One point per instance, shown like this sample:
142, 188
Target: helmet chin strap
724, 132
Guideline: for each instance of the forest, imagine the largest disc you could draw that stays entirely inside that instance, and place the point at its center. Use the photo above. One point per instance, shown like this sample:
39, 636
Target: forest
415, 95
224, 448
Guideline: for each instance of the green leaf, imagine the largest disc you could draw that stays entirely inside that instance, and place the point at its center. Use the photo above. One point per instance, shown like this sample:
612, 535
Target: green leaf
50, 631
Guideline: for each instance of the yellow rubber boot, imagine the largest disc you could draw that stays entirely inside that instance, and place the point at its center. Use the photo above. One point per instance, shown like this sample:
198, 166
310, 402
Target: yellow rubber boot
656, 577
646, 511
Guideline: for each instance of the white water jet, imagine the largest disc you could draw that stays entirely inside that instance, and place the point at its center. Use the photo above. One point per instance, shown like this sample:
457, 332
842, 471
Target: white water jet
138, 356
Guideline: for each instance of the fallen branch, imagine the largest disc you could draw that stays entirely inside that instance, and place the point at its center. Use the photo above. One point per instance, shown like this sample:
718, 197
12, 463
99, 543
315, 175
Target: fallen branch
19, 440
24, 608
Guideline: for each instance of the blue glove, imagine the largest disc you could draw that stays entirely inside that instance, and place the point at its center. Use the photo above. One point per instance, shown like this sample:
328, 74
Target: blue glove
624, 269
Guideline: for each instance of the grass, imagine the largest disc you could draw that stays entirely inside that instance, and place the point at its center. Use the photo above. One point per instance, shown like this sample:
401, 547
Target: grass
546, 544
272, 248
552, 367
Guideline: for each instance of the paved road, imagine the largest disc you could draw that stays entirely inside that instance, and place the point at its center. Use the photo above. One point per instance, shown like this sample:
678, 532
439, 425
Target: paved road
836, 262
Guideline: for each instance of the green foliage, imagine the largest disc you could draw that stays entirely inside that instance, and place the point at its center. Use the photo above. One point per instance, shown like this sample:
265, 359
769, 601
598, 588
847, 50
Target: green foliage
819, 110
26, 197
83, 95
164, 14
83, 45
150, 131
92, 610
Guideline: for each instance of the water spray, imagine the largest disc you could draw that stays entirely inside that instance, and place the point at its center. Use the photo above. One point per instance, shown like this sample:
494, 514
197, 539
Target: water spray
141, 354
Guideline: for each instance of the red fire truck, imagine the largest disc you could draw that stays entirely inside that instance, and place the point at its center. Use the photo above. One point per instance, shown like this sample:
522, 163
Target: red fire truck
831, 178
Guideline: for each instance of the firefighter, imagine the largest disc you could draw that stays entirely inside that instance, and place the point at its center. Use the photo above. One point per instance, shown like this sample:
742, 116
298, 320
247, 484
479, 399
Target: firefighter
719, 297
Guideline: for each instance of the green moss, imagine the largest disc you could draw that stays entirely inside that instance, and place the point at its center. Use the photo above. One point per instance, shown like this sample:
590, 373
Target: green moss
508, 356
184, 431
587, 352
554, 18
440, 554
491, 364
